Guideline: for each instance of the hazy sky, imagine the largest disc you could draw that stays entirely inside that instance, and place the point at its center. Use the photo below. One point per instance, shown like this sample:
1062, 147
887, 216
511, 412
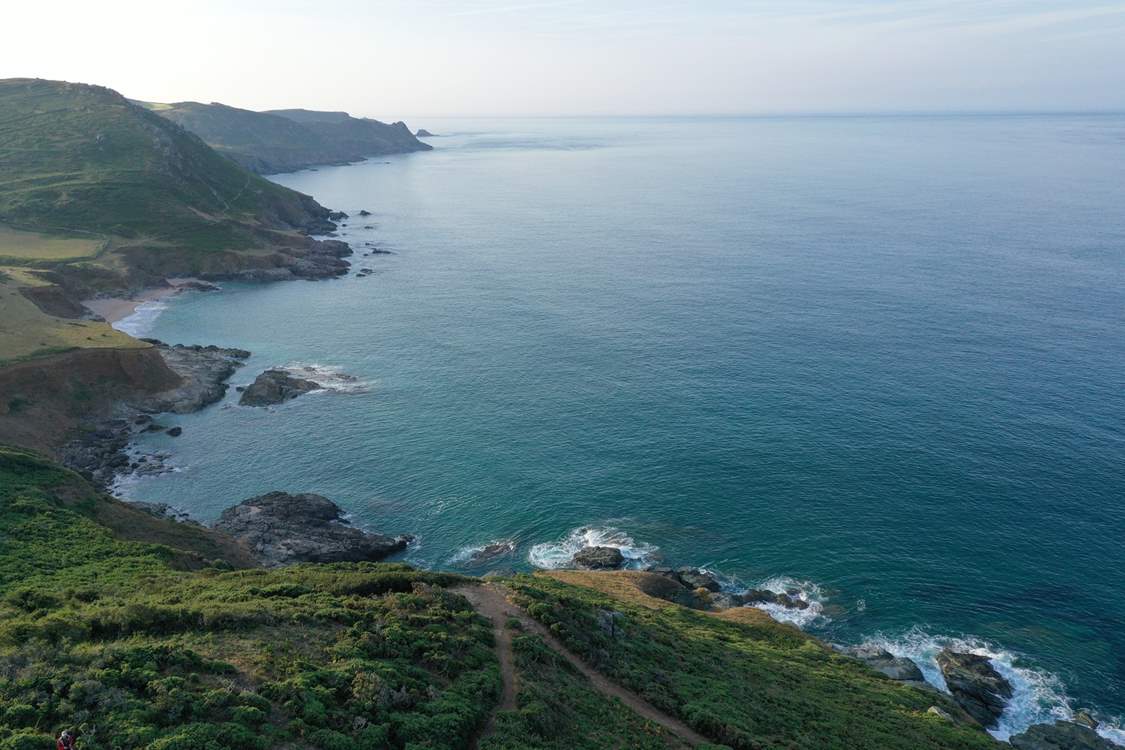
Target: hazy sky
413, 58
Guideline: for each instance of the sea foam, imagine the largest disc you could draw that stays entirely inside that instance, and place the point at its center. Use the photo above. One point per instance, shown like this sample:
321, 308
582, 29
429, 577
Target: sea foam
1038, 697
555, 555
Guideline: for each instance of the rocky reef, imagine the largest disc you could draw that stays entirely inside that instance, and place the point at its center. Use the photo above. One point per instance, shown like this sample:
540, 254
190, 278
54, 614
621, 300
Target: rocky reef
975, 685
275, 387
282, 528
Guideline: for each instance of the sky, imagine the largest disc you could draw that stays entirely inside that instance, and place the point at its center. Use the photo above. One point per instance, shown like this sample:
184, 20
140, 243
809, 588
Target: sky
416, 58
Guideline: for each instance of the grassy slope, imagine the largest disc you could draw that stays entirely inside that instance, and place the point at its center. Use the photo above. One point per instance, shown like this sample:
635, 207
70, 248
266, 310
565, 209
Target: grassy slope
26, 331
741, 679
268, 142
79, 158
123, 641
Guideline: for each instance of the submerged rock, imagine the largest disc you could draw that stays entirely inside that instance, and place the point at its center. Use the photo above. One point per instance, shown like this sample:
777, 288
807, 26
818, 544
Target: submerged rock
275, 387
896, 667
599, 558
1062, 735
975, 685
280, 528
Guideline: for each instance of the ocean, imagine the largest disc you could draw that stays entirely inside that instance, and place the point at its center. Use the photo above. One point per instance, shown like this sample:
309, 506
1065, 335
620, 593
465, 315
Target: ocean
879, 359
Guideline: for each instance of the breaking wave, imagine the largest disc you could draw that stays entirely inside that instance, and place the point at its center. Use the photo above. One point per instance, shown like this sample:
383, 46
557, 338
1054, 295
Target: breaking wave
555, 555
806, 591
141, 321
1038, 697
330, 378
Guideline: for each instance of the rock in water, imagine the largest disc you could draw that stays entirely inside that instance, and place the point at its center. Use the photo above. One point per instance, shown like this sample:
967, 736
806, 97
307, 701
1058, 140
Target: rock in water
1062, 735
423, 133
896, 667
975, 684
599, 558
275, 387
281, 529
694, 578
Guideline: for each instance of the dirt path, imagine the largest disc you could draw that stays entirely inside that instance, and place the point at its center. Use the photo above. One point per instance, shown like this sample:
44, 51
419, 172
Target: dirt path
490, 601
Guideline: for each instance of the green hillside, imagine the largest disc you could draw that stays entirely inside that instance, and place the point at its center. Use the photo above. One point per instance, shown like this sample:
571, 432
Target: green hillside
288, 140
82, 162
143, 633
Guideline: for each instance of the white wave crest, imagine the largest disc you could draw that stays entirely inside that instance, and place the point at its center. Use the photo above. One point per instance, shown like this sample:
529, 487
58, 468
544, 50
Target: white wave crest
555, 555
141, 321
329, 377
484, 553
1038, 697
806, 591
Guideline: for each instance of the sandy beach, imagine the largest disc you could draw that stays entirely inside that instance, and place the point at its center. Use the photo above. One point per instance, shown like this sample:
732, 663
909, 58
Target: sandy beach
115, 309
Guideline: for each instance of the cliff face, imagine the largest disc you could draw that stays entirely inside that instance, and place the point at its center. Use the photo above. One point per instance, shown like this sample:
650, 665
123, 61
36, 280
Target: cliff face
44, 401
287, 140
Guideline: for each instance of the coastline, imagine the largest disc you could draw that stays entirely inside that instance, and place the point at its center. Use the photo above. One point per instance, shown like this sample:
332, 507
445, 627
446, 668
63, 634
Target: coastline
116, 309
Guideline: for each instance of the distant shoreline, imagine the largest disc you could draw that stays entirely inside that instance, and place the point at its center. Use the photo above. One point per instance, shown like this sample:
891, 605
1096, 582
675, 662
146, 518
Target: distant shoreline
115, 309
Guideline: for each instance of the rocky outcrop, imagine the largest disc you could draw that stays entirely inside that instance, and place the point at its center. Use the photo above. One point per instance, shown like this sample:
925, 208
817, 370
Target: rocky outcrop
782, 599
492, 552
275, 387
306, 258
896, 667
1062, 735
281, 529
99, 451
598, 558
975, 685
423, 133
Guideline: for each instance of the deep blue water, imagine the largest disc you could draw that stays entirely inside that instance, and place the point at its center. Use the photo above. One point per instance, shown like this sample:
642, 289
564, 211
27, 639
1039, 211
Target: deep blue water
882, 356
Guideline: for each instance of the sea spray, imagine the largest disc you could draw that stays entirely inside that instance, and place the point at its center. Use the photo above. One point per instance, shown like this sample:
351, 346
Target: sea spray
1038, 697
555, 555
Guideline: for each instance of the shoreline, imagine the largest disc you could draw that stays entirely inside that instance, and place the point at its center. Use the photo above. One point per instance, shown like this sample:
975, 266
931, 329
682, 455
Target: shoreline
116, 309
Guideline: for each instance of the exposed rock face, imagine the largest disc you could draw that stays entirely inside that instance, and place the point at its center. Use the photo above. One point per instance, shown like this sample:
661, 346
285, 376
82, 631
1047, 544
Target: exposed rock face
281, 528
1062, 735
196, 377
975, 685
204, 371
275, 387
599, 558
896, 667
694, 578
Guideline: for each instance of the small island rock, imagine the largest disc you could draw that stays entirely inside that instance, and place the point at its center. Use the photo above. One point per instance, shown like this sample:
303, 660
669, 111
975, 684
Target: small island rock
599, 558
275, 387
280, 529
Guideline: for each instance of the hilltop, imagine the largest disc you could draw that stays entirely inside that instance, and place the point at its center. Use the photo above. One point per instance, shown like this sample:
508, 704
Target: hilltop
111, 195
286, 140
145, 633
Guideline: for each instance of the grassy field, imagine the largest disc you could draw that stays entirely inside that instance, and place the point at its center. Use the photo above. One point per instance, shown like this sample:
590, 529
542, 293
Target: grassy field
17, 246
26, 331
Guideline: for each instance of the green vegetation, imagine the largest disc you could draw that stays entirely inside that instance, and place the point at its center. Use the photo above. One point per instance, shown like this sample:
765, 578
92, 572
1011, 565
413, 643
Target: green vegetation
17, 246
559, 710
27, 331
288, 140
122, 641
744, 681
83, 159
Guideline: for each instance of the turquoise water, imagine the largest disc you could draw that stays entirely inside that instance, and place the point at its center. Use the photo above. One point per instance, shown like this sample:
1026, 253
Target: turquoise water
882, 357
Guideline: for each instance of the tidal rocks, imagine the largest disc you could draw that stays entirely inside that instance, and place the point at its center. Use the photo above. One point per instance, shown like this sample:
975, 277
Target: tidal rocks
598, 558
275, 387
1062, 735
896, 667
492, 551
975, 685
99, 451
364, 212
280, 528
691, 578
765, 596
175, 431
203, 371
